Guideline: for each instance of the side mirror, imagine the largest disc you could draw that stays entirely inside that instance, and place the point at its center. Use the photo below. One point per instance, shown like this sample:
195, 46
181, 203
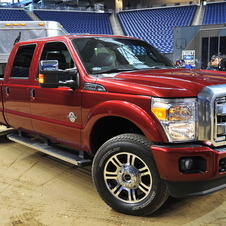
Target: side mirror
49, 75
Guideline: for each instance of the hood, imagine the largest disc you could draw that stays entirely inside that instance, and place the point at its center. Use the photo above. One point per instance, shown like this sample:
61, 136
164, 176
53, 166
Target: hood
163, 83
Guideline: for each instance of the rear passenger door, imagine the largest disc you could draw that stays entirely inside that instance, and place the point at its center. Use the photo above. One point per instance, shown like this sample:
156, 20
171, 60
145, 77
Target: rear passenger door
56, 112
16, 89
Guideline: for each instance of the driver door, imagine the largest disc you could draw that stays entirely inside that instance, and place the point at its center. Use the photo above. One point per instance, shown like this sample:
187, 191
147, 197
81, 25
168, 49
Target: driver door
57, 111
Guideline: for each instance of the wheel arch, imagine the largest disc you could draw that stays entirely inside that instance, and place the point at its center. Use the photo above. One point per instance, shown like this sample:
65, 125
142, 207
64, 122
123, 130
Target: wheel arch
109, 127
116, 117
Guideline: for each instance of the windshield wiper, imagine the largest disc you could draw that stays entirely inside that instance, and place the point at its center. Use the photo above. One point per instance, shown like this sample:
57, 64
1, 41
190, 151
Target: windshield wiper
155, 67
161, 67
114, 70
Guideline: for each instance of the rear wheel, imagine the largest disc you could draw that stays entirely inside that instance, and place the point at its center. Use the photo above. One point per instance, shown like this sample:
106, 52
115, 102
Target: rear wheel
126, 177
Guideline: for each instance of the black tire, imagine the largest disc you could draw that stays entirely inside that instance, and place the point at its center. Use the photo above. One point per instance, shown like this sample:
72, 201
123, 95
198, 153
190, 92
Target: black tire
126, 177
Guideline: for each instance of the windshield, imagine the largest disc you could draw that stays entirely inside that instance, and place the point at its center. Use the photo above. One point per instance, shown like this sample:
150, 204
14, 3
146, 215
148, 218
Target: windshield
109, 55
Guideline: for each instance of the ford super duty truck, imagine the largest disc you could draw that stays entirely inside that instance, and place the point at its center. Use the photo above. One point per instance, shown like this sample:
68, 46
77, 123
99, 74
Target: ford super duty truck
149, 130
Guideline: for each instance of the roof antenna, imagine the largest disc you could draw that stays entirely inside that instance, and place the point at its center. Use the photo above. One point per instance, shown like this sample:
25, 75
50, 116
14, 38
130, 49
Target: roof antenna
17, 39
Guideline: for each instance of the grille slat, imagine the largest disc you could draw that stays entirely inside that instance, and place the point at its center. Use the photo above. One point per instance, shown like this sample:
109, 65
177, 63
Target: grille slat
220, 119
221, 128
221, 108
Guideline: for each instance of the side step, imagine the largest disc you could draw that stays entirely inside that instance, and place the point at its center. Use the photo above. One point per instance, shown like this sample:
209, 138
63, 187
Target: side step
77, 160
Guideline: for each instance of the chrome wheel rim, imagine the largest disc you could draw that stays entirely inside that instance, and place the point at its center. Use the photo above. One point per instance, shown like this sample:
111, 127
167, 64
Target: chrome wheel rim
128, 177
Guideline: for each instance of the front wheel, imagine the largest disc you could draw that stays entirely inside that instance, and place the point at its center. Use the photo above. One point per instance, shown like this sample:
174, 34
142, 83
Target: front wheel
126, 177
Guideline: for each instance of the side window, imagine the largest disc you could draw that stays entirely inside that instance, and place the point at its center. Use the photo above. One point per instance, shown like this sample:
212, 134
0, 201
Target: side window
58, 51
22, 61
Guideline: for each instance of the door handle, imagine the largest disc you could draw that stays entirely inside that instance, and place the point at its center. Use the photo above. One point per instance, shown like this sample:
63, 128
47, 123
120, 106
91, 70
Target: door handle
32, 94
7, 91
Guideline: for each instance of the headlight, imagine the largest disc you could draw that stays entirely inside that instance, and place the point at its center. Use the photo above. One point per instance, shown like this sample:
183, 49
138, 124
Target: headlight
178, 117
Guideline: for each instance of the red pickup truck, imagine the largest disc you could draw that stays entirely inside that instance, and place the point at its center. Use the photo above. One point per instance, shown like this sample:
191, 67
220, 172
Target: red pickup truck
149, 130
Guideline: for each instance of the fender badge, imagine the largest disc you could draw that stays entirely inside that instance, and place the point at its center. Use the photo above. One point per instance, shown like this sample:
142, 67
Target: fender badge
72, 117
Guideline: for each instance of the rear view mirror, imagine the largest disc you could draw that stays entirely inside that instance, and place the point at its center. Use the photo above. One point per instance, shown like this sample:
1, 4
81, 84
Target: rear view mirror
48, 78
49, 75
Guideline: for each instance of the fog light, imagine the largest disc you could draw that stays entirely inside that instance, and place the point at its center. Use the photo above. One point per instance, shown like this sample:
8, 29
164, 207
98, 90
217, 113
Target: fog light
187, 165
222, 165
192, 164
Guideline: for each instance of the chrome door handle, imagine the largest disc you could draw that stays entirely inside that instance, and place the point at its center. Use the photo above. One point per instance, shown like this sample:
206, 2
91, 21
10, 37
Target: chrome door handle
32, 93
7, 91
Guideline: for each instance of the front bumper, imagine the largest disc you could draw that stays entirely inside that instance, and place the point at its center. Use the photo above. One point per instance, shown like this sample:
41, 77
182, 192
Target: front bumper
183, 189
183, 184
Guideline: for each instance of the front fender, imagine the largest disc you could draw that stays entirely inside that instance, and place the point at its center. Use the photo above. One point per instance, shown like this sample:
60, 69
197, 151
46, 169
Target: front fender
147, 123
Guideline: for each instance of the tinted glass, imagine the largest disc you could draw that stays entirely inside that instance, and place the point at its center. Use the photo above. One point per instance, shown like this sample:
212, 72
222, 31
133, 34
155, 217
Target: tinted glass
109, 55
22, 61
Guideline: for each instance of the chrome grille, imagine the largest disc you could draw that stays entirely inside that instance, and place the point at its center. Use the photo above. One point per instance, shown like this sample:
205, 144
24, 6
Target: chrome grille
220, 119
212, 115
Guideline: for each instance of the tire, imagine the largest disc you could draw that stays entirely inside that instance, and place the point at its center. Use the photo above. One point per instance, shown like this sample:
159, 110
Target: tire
126, 177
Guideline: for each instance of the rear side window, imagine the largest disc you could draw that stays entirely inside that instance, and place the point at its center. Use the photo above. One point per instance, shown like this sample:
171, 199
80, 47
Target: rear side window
22, 61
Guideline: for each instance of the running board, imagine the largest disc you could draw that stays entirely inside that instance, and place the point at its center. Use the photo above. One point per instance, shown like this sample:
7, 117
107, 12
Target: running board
49, 150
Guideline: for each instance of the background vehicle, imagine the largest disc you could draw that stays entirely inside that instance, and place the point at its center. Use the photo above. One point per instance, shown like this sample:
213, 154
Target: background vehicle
15, 31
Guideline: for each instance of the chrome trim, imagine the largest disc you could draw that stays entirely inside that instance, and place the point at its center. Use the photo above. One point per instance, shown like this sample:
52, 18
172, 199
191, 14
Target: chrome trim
221, 128
221, 108
211, 108
93, 87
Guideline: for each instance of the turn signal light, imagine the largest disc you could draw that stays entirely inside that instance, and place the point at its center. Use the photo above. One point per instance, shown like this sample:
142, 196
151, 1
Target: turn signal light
160, 113
41, 78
